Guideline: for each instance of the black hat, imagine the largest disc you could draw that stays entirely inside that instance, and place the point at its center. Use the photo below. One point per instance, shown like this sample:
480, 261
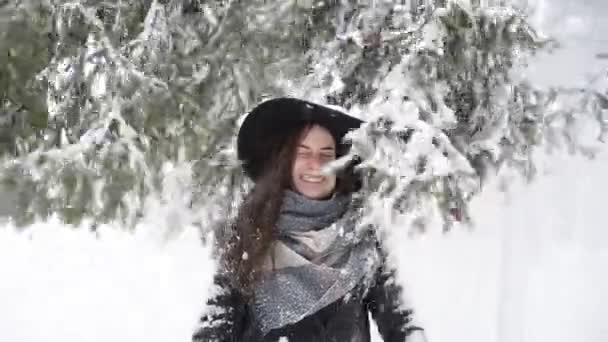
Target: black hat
275, 118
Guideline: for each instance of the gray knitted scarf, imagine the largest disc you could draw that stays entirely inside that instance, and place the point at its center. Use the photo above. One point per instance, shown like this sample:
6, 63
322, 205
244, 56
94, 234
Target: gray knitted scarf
317, 260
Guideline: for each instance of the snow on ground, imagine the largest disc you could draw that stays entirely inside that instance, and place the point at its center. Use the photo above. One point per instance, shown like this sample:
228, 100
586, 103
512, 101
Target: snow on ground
66, 285
534, 269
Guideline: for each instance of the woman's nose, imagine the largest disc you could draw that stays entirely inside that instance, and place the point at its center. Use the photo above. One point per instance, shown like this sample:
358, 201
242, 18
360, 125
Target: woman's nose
315, 162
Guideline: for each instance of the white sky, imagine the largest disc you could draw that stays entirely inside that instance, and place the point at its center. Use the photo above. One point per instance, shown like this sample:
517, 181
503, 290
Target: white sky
581, 27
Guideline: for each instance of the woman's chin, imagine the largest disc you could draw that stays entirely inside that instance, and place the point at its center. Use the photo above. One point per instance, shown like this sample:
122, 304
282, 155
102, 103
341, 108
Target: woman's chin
315, 194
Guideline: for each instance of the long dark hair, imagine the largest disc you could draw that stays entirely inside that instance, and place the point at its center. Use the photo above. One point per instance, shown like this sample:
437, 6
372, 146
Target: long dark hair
255, 225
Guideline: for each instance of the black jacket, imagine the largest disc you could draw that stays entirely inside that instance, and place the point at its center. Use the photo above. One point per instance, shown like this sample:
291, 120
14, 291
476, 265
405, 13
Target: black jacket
228, 319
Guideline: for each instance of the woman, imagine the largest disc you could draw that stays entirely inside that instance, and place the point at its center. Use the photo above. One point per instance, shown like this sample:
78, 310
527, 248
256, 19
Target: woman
298, 266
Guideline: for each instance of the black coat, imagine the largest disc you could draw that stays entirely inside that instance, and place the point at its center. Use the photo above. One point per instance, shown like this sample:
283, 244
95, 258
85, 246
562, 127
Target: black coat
228, 318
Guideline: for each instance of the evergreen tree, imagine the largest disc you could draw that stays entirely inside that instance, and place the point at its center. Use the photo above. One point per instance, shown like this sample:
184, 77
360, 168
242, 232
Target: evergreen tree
108, 100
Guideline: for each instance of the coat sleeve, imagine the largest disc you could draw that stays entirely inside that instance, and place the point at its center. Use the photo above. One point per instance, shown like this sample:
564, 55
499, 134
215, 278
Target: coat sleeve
222, 314
393, 318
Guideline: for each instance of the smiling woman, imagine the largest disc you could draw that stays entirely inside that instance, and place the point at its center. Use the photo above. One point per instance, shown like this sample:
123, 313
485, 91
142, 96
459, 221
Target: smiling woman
298, 266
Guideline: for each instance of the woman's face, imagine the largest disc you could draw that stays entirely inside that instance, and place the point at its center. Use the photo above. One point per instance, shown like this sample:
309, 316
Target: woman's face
316, 148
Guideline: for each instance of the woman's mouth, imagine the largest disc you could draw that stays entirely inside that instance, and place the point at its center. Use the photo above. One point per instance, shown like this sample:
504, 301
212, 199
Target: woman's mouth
312, 179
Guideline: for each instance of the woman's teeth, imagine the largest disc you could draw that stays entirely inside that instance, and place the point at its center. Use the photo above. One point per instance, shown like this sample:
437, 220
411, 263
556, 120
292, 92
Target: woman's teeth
312, 179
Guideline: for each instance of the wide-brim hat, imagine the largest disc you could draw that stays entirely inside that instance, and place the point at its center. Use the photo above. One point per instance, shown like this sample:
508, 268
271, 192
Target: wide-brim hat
272, 120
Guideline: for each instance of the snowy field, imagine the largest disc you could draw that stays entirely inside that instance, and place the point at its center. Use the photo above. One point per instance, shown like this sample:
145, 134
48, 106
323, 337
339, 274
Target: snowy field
534, 269
65, 285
